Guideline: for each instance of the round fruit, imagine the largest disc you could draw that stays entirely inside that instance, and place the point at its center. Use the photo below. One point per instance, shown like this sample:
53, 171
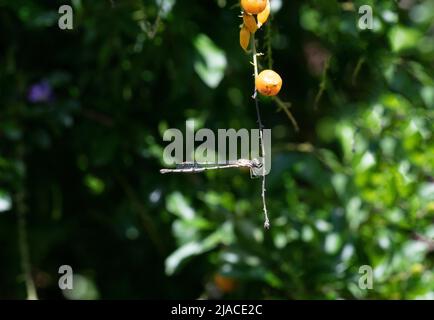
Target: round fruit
254, 6
268, 83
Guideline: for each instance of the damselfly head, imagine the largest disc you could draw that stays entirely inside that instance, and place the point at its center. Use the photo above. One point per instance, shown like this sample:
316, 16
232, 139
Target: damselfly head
256, 163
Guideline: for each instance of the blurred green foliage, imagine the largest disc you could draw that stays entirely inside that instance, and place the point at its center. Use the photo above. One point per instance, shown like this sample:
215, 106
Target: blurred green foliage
82, 113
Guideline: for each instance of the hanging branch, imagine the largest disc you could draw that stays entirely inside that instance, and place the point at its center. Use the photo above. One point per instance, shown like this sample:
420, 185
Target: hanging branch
261, 127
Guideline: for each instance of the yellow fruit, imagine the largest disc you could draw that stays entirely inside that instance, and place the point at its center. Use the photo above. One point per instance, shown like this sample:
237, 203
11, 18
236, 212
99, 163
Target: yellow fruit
250, 23
263, 16
244, 37
253, 6
268, 83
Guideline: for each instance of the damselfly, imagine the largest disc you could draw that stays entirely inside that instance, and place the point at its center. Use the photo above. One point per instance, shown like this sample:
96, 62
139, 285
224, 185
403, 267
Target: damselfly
195, 167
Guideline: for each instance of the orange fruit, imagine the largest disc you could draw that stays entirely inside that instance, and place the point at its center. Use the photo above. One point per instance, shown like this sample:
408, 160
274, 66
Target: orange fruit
250, 22
263, 16
225, 284
254, 6
268, 83
244, 38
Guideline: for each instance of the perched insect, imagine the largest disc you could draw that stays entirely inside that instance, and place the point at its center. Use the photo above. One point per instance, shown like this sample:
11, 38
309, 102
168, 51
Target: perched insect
254, 6
268, 83
195, 167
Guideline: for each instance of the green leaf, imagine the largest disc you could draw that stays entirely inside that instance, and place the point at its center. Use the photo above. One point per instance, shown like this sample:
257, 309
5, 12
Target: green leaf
178, 205
403, 38
212, 63
223, 235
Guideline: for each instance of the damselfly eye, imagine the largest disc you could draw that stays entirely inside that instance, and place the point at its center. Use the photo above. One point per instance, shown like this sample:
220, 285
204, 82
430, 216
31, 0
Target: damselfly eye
257, 163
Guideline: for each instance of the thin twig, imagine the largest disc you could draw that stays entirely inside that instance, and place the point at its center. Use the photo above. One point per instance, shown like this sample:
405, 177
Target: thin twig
316, 152
24, 247
151, 28
261, 127
285, 107
356, 72
323, 84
